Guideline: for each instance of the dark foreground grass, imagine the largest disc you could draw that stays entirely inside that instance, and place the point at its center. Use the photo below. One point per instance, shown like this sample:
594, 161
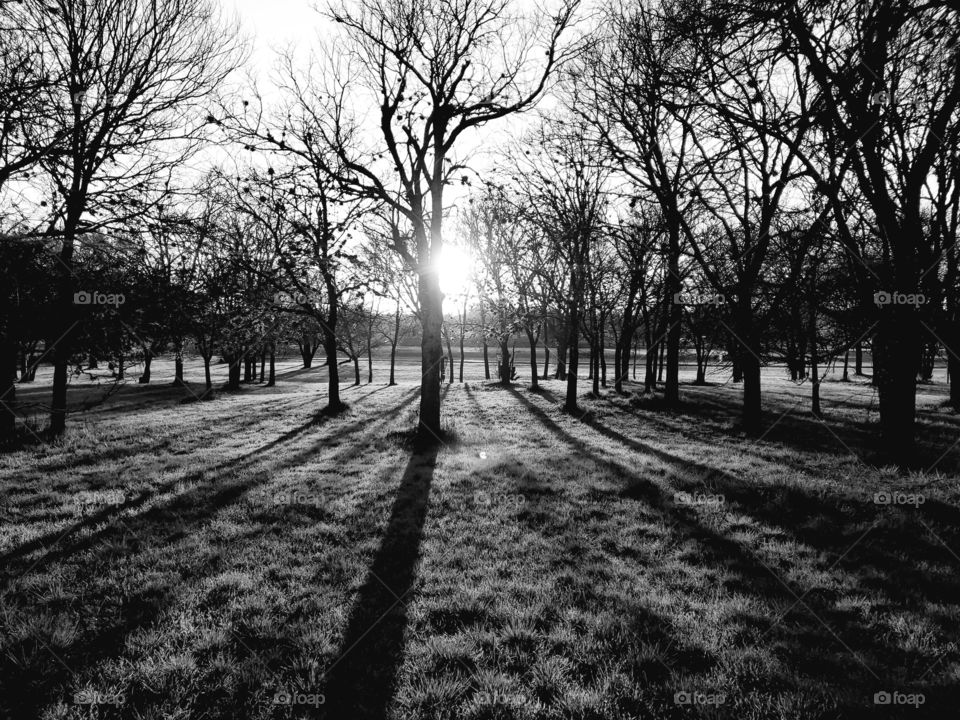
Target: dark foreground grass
239, 558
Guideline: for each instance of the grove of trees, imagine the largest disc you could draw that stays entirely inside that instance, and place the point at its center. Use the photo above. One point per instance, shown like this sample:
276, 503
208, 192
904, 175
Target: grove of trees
722, 184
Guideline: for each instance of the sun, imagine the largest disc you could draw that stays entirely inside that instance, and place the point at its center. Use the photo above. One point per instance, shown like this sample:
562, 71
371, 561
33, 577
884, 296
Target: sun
455, 267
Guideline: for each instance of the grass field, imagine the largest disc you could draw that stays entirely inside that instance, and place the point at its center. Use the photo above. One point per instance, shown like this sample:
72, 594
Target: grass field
239, 558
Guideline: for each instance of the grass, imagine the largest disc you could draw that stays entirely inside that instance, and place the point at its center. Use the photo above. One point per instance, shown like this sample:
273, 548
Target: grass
236, 558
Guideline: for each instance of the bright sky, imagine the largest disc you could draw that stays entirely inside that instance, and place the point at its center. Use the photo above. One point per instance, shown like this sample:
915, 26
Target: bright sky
275, 24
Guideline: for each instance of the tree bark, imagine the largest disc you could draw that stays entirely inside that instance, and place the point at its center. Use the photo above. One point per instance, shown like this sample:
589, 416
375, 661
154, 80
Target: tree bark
272, 379
147, 362
533, 360
505, 360
233, 372
8, 389
369, 362
896, 374
334, 404
206, 372
431, 355
674, 315
393, 345
573, 351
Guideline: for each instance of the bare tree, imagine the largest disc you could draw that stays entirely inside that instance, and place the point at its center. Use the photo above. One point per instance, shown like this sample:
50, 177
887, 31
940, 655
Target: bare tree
435, 72
887, 89
135, 73
563, 193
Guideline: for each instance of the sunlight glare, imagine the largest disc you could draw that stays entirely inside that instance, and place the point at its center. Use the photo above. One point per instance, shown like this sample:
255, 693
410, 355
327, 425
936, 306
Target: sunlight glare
455, 266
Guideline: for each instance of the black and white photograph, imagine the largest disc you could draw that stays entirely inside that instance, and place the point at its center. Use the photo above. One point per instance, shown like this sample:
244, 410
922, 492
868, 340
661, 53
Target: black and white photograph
479, 359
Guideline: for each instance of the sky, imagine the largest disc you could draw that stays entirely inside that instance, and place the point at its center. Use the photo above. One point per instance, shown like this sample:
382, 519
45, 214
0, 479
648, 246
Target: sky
275, 24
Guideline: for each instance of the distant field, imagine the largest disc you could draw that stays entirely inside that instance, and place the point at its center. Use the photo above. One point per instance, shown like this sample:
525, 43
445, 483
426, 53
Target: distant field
236, 558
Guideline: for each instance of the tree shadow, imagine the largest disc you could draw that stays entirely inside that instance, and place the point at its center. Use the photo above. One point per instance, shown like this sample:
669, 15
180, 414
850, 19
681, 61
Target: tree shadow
360, 682
876, 564
49, 541
32, 674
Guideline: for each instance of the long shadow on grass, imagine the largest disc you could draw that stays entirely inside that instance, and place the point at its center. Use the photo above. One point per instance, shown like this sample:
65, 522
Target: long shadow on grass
798, 629
54, 538
32, 673
831, 527
360, 681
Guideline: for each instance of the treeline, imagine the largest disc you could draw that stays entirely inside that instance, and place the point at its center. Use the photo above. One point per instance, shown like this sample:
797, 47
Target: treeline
754, 182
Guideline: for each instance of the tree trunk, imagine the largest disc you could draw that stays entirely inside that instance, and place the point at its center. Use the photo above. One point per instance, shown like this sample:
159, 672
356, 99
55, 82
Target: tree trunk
858, 360
206, 372
393, 362
546, 353
752, 408
573, 352
596, 366
147, 362
8, 388
461, 357
334, 403
263, 364
272, 379
233, 372
393, 345
896, 345
846, 366
450, 360
356, 369
674, 316
307, 351
431, 355
953, 370
75, 206
617, 381
661, 361
486, 360
533, 360
650, 360
504, 371
601, 351
178, 362
370, 362
561, 372
814, 364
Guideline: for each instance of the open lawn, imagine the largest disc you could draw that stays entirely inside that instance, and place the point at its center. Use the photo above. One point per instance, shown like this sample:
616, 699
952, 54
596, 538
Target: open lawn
239, 558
